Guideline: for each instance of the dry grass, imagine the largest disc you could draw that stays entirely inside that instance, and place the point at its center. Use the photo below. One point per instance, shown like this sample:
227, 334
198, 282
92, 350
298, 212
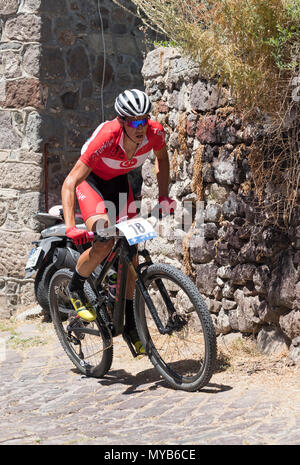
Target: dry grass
250, 45
241, 357
197, 181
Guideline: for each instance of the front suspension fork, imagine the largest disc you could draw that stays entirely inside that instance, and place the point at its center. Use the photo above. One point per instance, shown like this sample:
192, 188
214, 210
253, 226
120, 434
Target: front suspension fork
151, 306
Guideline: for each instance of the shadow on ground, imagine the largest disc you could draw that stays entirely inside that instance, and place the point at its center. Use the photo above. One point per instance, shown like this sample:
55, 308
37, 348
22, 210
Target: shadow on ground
149, 379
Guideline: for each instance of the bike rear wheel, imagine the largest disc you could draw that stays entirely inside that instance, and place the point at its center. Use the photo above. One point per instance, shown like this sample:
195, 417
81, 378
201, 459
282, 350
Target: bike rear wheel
41, 287
87, 344
186, 356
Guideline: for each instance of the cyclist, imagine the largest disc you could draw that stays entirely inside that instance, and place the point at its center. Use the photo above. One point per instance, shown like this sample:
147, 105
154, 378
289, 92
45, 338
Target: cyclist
99, 180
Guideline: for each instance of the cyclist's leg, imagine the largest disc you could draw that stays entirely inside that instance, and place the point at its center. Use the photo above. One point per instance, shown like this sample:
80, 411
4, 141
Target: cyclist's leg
130, 325
107, 201
92, 208
93, 198
93, 256
129, 209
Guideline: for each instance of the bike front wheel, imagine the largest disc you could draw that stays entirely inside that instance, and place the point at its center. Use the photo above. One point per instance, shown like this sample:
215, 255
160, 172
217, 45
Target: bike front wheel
87, 344
185, 356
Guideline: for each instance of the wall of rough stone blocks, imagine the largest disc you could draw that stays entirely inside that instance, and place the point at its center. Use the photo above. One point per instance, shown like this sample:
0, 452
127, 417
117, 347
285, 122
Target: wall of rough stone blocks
81, 77
51, 73
246, 269
21, 158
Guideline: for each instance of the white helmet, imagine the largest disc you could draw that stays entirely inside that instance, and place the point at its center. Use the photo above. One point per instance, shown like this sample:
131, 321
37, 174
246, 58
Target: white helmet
132, 102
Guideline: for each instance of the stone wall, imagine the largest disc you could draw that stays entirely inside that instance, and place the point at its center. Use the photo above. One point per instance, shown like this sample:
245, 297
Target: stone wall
21, 158
247, 273
51, 80
81, 77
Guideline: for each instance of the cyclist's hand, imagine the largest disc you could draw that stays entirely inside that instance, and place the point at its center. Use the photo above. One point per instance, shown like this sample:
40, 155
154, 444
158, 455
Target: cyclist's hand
167, 206
79, 236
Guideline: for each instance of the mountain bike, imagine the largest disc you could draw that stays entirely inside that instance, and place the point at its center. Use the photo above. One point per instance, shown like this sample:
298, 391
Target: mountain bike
172, 319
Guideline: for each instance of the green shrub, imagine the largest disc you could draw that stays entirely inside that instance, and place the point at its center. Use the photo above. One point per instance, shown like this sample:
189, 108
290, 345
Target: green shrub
245, 44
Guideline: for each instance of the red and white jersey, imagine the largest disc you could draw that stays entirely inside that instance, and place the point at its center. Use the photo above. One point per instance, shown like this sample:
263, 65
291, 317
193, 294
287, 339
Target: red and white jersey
104, 152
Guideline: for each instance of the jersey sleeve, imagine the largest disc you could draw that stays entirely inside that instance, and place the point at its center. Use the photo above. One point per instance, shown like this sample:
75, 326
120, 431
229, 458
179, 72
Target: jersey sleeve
89, 155
158, 137
96, 146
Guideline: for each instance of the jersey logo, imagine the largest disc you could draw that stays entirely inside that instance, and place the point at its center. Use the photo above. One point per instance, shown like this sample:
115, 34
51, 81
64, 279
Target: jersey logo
159, 132
128, 163
80, 195
105, 146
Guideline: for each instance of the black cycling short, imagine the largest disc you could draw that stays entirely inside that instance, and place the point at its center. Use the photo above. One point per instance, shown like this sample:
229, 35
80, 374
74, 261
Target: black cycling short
114, 197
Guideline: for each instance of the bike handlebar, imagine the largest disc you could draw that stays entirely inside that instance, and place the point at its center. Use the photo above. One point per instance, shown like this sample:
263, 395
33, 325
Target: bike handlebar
106, 232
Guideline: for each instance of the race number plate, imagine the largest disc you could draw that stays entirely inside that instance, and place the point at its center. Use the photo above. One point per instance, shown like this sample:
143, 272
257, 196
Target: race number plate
137, 230
33, 257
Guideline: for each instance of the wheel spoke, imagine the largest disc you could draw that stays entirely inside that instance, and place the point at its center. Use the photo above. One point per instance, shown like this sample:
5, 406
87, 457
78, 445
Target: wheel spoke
186, 354
184, 345
90, 351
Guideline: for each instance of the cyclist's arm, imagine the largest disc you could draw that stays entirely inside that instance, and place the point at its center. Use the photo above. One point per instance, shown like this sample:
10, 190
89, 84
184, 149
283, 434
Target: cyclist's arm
162, 169
76, 176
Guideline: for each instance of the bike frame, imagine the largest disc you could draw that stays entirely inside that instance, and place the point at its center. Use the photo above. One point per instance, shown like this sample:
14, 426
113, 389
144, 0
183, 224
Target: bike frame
126, 253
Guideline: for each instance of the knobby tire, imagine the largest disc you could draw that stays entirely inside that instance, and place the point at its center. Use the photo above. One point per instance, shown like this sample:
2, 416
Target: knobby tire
102, 343
194, 337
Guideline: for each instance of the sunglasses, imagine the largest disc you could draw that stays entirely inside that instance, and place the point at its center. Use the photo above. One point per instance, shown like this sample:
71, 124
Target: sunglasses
136, 123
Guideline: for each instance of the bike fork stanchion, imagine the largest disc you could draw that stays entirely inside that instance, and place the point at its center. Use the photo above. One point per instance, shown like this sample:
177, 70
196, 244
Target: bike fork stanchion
165, 296
151, 307
144, 253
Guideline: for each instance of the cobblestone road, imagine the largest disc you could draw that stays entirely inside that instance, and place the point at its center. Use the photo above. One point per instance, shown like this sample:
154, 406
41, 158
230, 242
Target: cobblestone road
45, 401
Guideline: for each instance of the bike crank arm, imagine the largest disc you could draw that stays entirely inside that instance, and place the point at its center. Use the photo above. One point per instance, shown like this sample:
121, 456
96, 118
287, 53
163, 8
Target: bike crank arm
129, 343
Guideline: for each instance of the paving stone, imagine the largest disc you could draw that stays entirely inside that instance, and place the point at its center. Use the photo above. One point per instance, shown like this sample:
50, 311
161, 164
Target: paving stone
49, 403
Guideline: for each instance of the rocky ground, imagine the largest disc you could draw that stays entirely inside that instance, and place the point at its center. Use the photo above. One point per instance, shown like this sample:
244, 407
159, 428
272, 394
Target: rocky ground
251, 399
